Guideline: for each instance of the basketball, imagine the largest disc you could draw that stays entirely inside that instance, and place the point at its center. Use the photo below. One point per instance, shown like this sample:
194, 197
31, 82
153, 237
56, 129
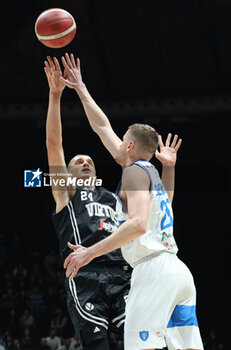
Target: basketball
55, 28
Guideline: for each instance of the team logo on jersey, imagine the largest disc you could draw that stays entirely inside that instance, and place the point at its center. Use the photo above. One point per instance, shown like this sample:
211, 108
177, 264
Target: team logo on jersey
89, 306
33, 178
144, 335
107, 226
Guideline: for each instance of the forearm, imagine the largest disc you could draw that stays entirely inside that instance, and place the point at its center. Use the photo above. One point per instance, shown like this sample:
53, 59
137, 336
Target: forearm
95, 115
126, 233
168, 179
53, 122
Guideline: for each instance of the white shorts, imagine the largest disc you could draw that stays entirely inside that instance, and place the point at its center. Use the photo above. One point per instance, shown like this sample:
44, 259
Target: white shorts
161, 306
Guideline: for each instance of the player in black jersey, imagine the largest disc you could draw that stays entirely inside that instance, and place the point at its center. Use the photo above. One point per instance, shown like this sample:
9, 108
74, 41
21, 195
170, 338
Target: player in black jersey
85, 215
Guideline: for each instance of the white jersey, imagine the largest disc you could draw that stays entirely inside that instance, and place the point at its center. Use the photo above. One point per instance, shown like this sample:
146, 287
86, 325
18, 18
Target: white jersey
159, 235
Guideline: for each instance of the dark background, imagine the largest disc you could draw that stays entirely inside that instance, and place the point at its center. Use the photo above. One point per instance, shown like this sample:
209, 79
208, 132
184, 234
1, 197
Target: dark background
162, 62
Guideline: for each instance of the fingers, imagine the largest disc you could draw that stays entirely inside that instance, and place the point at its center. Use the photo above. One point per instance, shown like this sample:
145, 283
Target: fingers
69, 258
51, 63
73, 246
47, 67
65, 65
48, 73
160, 141
74, 272
50, 66
67, 261
167, 143
178, 144
175, 142
71, 269
57, 65
157, 154
73, 60
68, 60
78, 63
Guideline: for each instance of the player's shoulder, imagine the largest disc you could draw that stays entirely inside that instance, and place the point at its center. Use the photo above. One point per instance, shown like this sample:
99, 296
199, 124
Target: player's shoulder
134, 176
142, 163
105, 191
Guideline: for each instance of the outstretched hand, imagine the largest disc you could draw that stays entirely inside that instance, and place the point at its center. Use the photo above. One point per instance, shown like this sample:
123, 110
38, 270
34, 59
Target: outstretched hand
168, 153
72, 73
53, 74
75, 260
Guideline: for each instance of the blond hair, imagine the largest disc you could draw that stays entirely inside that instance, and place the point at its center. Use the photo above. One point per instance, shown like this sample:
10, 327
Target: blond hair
146, 138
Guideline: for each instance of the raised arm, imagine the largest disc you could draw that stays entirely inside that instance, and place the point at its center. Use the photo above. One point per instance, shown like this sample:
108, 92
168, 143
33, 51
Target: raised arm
54, 146
167, 156
96, 117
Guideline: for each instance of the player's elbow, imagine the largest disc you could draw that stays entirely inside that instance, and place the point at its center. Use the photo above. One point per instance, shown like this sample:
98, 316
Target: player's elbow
140, 225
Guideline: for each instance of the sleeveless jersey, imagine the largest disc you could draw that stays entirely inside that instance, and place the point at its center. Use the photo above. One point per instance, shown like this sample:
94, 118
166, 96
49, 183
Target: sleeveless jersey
159, 234
88, 218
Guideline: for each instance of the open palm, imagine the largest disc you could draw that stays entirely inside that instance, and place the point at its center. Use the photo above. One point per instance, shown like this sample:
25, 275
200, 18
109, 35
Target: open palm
72, 73
53, 73
168, 153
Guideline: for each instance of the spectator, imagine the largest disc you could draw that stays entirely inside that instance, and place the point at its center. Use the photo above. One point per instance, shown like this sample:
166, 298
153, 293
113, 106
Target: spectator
20, 273
2, 347
43, 344
16, 344
75, 343
36, 299
23, 301
114, 343
7, 280
53, 340
66, 344
58, 321
12, 323
8, 341
220, 347
9, 300
26, 321
52, 297
37, 271
27, 340
50, 261
120, 345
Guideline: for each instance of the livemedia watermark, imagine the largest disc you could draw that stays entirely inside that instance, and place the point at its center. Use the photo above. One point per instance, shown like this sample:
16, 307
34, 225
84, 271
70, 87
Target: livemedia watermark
57, 180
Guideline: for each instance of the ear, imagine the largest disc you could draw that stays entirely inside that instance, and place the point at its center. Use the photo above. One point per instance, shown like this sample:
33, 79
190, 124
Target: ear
131, 145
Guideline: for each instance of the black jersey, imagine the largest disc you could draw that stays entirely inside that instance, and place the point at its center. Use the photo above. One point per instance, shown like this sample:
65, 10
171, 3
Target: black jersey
87, 219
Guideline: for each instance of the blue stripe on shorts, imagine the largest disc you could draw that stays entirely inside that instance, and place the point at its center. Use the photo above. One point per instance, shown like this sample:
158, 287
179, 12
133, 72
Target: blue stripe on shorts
183, 315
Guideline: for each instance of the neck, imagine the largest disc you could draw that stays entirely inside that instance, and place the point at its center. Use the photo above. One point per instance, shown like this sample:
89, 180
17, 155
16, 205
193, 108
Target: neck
132, 159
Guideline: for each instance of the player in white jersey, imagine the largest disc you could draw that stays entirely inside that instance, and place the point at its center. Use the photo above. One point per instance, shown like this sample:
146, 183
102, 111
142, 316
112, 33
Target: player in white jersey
159, 233
161, 304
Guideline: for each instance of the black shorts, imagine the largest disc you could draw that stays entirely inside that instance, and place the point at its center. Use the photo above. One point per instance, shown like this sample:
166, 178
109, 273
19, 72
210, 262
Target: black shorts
96, 301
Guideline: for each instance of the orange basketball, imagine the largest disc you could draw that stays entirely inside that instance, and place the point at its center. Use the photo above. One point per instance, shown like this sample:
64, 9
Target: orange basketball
55, 28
